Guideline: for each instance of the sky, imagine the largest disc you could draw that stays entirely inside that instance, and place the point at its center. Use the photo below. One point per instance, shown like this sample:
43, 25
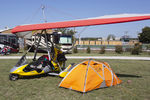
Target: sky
19, 12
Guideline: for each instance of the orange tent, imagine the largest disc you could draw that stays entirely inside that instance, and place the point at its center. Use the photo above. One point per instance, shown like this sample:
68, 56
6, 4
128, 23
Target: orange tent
89, 75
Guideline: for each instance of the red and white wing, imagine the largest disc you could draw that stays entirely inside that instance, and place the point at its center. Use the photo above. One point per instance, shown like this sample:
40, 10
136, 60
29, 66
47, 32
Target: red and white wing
108, 19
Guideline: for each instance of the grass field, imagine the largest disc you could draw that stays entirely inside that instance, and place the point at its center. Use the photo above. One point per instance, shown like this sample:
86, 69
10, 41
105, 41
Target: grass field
93, 53
108, 53
46, 88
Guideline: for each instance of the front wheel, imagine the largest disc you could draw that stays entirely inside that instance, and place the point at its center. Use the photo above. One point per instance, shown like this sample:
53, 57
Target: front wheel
13, 77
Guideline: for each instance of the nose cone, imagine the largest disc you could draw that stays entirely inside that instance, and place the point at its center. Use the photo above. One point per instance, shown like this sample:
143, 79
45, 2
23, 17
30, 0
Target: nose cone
13, 69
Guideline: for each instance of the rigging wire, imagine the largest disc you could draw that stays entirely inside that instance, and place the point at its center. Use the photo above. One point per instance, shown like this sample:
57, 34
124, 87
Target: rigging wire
33, 16
85, 28
62, 12
30, 18
67, 14
79, 34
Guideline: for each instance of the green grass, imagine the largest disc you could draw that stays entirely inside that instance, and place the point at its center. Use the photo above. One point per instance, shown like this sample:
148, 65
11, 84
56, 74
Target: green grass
108, 53
93, 53
46, 88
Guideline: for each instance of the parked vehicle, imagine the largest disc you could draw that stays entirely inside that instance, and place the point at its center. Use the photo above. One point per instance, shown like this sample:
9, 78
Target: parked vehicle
65, 42
8, 43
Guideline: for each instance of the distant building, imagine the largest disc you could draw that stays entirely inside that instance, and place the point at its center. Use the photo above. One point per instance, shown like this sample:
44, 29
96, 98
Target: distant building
125, 40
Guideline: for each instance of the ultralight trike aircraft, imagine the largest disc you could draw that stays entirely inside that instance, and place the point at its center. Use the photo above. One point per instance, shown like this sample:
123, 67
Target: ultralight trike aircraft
54, 62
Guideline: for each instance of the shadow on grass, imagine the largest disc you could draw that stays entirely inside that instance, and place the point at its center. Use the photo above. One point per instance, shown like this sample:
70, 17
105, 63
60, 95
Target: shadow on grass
128, 75
33, 77
46, 75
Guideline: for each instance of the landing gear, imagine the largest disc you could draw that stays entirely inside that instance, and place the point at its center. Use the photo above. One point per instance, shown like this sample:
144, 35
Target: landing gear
13, 77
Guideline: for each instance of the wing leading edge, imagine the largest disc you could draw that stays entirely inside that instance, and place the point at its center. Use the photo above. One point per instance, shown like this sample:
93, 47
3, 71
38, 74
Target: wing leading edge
112, 19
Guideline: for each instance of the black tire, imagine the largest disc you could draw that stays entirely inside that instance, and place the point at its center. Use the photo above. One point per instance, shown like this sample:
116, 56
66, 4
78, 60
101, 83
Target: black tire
13, 77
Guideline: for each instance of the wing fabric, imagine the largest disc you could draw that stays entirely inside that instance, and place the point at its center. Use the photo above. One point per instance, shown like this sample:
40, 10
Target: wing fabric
112, 19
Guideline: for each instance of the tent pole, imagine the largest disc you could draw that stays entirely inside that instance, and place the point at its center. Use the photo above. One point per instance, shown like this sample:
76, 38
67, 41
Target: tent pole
86, 75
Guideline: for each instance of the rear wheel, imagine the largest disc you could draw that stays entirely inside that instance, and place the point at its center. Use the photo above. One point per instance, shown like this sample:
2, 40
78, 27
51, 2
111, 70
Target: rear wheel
13, 77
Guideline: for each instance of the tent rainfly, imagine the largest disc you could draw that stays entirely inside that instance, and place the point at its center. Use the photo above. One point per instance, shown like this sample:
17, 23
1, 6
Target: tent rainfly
90, 75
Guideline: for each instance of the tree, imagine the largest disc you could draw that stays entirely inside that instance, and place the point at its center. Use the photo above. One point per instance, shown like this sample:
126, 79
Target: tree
66, 31
136, 50
119, 49
102, 50
88, 50
75, 49
110, 37
144, 36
